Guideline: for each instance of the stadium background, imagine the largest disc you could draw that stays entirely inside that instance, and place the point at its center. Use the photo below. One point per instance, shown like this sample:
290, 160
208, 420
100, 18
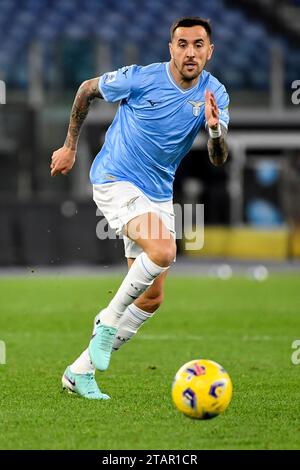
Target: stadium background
48, 47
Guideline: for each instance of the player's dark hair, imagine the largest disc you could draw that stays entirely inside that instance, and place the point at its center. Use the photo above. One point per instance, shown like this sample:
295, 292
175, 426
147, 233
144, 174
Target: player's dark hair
189, 21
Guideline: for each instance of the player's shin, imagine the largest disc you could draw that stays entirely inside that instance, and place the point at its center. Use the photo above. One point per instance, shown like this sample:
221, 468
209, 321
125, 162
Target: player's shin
140, 277
132, 320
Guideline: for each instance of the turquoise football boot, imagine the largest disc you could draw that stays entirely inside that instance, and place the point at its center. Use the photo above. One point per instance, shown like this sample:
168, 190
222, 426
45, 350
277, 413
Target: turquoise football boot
84, 385
101, 344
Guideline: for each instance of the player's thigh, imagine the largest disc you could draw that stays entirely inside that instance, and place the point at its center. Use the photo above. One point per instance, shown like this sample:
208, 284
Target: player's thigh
152, 235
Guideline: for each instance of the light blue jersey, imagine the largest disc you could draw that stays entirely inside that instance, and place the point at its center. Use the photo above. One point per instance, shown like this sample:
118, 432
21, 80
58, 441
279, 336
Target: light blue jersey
154, 127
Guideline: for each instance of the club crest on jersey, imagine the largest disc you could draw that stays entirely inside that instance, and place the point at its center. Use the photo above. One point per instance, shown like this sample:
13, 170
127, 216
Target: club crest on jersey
196, 107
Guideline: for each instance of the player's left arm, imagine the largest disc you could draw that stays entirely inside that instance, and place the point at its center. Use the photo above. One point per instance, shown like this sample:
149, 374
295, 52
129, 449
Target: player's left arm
216, 145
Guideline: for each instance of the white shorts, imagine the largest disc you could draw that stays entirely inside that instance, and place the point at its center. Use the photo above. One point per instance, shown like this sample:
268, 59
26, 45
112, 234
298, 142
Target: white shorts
121, 201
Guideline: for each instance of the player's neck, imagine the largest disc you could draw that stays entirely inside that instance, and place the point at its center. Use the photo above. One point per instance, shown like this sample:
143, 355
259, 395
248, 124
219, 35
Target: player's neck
179, 79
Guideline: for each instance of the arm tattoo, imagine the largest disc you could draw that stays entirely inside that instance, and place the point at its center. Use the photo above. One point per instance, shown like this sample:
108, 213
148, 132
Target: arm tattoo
87, 91
218, 149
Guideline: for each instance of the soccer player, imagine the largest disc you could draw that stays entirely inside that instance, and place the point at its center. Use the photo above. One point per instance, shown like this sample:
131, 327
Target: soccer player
162, 108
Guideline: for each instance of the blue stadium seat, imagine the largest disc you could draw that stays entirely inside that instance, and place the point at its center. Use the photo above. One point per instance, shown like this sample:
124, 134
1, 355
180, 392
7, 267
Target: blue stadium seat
240, 41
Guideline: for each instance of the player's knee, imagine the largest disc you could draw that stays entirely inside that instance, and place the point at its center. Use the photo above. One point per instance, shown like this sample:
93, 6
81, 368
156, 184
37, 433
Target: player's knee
164, 253
169, 254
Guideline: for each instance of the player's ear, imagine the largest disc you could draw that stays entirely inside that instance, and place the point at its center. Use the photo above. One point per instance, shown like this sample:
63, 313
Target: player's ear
171, 50
210, 51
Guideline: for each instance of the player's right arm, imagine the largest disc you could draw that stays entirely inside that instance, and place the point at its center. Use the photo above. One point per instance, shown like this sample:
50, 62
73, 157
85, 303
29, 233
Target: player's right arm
63, 159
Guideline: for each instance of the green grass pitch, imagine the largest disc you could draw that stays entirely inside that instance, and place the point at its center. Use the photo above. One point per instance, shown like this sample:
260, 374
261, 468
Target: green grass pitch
246, 326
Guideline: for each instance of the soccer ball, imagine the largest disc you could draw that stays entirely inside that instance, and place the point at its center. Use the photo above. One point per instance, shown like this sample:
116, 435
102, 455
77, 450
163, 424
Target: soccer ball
202, 389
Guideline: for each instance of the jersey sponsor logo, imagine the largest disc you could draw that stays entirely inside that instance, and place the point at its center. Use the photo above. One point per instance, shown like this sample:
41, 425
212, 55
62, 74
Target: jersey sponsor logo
196, 107
153, 103
110, 77
124, 71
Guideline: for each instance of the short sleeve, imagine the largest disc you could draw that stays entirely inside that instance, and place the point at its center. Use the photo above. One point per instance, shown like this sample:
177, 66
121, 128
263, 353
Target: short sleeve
222, 99
118, 85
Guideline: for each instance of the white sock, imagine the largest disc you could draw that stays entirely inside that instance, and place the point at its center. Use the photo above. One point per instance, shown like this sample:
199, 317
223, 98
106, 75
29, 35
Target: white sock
83, 364
133, 318
140, 276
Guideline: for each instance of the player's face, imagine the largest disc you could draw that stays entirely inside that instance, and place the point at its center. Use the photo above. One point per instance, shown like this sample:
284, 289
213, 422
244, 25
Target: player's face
190, 49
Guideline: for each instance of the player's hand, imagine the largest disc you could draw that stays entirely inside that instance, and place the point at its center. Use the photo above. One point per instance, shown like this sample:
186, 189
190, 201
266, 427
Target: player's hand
211, 110
62, 161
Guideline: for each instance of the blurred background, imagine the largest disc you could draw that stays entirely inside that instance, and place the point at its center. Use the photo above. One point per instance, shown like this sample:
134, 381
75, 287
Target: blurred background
48, 47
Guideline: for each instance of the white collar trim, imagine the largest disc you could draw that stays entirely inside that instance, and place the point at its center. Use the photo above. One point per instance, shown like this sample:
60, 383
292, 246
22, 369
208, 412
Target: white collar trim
169, 73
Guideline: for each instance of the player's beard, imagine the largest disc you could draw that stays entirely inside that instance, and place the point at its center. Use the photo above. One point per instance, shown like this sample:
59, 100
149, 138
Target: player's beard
189, 76
192, 75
